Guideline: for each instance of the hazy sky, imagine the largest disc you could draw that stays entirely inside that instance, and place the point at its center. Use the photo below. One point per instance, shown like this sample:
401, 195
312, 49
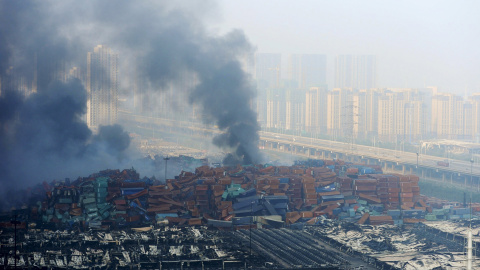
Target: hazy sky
417, 43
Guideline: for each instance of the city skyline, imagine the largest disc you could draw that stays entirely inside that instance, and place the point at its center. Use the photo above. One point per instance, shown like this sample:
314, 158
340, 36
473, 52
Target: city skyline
389, 114
417, 44
257, 134
199, 67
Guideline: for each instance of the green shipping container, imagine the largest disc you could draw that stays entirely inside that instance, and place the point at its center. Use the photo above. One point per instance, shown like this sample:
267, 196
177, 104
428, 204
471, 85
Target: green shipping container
65, 200
101, 189
105, 215
101, 185
88, 201
102, 194
362, 202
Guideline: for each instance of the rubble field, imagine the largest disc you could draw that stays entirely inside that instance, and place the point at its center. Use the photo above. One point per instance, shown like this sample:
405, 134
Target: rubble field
253, 203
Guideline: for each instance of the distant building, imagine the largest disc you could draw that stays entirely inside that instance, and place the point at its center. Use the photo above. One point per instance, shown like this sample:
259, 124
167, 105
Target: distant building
75, 72
13, 80
102, 86
401, 115
475, 114
295, 109
340, 110
276, 109
355, 71
266, 73
365, 113
307, 70
268, 70
391, 116
316, 110
447, 116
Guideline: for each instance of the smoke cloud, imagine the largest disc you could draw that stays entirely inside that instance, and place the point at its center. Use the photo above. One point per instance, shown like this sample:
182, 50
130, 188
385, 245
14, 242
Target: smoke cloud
43, 135
173, 44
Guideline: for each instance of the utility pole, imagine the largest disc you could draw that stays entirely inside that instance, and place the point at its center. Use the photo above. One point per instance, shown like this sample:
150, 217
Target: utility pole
251, 223
469, 234
15, 222
417, 162
349, 120
471, 173
166, 160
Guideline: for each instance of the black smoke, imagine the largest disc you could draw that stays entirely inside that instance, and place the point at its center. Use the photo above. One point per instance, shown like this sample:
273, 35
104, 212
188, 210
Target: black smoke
43, 135
169, 43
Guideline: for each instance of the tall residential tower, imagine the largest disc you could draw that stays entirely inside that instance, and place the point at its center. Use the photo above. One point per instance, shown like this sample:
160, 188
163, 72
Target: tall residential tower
102, 87
307, 70
355, 71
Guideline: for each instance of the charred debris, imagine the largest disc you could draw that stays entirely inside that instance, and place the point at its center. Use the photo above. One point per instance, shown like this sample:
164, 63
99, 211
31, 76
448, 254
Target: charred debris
263, 216
234, 197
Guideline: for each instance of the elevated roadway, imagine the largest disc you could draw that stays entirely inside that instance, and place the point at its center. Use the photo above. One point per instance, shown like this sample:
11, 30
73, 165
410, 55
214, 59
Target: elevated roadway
461, 172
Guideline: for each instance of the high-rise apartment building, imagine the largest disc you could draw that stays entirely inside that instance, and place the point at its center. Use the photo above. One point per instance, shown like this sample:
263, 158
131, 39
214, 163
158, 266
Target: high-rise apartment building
416, 114
401, 115
316, 110
13, 80
268, 69
468, 121
447, 116
75, 72
365, 112
295, 109
385, 117
355, 71
102, 86
307, 70
340, 110
276, 107
260, 106
475, 126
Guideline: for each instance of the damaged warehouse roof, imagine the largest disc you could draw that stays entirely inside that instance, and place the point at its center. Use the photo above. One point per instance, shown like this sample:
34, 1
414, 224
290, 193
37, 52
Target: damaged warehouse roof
395, 246
164, 247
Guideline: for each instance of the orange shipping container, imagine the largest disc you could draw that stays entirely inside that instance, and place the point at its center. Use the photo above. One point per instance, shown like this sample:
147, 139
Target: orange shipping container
311, 201
363, 218
352, 171
306, 214
309, 186
309, 180
291, 214
406, 195
408, 204
194, 221
366, 188
413, 220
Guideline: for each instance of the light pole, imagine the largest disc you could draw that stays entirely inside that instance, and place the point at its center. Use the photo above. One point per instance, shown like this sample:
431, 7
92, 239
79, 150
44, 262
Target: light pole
417, 163
471, 173
15, 222
166, 160
251, 223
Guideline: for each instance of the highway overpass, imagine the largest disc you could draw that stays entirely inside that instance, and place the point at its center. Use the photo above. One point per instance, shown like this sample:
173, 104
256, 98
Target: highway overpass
391, 160
458, 172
